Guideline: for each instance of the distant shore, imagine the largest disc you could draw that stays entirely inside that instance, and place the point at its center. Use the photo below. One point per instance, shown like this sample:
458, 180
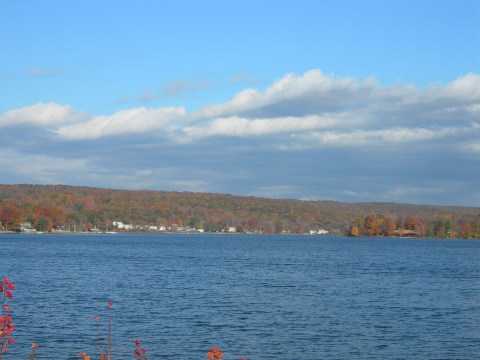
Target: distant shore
53, 233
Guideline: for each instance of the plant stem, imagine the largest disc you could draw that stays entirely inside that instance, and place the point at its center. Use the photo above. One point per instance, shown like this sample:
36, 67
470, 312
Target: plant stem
109, 341
3, 324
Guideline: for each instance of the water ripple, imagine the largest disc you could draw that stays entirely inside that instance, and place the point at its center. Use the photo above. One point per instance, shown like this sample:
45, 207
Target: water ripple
260, 297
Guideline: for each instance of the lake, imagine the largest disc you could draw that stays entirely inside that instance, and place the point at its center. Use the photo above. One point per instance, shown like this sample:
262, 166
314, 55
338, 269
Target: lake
262, 297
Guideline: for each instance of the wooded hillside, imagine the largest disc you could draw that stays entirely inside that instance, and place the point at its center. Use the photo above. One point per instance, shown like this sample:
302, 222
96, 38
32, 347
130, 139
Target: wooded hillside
83, 208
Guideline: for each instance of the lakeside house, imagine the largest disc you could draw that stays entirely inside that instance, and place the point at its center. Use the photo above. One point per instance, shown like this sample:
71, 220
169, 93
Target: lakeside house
26, 227
160, 228
121, 226
405, 233
319, 232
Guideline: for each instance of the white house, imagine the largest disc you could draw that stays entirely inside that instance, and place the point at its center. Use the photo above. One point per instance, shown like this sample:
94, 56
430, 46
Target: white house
26, 227
119, 224
319, 232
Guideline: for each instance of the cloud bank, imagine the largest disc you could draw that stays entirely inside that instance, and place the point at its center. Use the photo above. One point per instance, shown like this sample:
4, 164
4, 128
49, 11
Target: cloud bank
313, 105
299, 121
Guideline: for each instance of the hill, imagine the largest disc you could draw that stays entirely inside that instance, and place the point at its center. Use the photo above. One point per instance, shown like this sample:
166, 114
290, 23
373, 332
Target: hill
83, 208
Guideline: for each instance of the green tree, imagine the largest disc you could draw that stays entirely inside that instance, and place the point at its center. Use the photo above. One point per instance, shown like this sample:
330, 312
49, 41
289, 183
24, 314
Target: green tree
42, 224
443, 227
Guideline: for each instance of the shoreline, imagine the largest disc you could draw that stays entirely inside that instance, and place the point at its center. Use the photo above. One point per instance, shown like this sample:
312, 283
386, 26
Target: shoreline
53, 233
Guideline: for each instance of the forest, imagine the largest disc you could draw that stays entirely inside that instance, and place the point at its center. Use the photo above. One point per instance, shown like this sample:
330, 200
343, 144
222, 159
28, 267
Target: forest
77, 208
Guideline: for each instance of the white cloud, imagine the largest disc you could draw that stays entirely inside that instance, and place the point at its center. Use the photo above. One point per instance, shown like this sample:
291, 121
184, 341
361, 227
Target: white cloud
246, 99
467, 86
314, 108
131, 121
392, 136
41, 114
313, 84
237, 126
320, 84
394, 114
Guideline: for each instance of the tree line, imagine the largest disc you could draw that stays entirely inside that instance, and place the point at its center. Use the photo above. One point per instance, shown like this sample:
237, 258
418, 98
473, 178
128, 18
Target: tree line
49, 207
443, 226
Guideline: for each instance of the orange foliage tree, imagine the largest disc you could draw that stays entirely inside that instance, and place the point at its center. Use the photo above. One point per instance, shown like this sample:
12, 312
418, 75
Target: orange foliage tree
11, 216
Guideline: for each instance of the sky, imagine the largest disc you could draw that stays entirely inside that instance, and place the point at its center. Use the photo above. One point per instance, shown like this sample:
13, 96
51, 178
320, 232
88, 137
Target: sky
343, 100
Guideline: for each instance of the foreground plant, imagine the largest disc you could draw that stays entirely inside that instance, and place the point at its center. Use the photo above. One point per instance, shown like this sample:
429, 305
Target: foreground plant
215, 353
33, 354
101, 354
6, 324
139, 351
7, 327
84, 356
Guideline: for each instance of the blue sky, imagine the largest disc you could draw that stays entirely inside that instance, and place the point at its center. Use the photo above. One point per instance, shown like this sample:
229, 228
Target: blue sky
322, 100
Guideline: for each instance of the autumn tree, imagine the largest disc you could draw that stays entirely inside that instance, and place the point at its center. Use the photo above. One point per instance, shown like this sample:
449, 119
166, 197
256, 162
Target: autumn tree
53, 216
354, 231
374, 225
466, 230
11, 216
415, 224
252, 225
389, 226
358, 225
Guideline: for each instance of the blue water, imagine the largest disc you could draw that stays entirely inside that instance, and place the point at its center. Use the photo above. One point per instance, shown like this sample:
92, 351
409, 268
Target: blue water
263, 297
